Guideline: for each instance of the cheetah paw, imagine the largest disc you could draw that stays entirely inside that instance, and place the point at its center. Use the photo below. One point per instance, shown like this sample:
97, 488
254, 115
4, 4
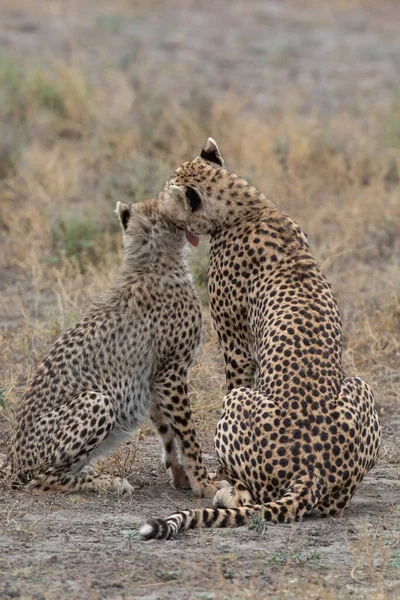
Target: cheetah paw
206, 491
224, 499
123, 486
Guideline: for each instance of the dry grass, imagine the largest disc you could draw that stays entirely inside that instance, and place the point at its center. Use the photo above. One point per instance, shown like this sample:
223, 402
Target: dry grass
65, 160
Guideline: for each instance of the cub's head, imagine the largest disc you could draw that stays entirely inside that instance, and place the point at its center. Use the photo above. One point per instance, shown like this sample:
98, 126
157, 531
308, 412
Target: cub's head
148, 235
202, 196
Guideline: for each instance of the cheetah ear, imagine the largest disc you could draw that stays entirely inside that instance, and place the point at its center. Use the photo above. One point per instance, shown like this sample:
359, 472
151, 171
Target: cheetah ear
124, 214
211, 152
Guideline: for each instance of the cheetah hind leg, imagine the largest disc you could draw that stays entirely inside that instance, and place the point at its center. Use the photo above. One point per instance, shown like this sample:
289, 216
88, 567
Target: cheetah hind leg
334, 505
77, 432
82, 482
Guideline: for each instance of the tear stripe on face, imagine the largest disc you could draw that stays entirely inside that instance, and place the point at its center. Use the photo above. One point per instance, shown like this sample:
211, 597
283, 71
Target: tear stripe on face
193, 198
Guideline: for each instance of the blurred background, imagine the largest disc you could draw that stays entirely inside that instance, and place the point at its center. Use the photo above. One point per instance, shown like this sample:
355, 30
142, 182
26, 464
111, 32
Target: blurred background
99, 101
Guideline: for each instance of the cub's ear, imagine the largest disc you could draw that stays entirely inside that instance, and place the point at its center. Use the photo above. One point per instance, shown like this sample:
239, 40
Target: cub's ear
211, 152
124, 213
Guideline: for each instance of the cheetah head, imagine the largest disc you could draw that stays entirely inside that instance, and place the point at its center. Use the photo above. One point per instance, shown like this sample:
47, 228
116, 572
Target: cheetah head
193, 195
146, 231
203, 197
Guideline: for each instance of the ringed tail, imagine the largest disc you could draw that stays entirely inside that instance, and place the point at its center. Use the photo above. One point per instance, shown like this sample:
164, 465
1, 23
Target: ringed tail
168, 529
294, 504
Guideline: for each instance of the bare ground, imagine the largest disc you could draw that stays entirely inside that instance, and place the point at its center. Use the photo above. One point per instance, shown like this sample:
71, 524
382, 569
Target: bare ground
71, 546
339, 56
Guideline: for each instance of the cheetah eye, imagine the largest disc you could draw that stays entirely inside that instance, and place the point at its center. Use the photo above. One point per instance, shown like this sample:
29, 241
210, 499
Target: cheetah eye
193, 198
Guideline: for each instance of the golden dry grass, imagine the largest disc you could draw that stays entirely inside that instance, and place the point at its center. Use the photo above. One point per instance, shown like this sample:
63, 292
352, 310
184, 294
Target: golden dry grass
65, 160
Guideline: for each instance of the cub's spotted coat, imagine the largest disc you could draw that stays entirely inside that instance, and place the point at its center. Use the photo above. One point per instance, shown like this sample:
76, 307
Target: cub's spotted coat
123, 362
295, 433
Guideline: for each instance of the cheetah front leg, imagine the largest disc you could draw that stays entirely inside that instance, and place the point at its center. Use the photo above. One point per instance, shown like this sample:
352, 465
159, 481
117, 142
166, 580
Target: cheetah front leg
240, 366
171, 395
179, 479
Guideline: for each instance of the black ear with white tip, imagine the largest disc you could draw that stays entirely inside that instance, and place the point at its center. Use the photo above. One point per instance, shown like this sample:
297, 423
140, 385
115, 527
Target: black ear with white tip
124, 213
211, 152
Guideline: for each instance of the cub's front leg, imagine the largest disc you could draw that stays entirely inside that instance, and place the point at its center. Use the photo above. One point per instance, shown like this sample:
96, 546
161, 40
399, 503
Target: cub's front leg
171, 397
171, 458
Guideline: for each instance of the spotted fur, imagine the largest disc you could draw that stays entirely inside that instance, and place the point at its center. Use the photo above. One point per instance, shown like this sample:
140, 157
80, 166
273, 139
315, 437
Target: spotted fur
126, 360
295, 434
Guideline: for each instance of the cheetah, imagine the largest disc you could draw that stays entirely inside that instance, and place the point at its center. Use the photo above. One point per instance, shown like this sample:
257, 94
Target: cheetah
126, 360
295, 434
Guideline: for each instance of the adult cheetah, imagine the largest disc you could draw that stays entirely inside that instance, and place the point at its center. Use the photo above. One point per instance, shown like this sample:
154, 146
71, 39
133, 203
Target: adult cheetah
123, 362
295, 434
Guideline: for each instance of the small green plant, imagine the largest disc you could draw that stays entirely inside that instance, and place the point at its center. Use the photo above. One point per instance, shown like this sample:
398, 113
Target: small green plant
48, 94
2, 399
296, 556
395, 560
278, 558
226, 566
79, 237
393, 124
128, 59
392, 175
130, 534
110, 22
20, 90
169, 575
11, 88
258, 523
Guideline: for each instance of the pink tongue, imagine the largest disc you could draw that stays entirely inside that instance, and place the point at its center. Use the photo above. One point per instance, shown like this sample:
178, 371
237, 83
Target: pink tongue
192, 239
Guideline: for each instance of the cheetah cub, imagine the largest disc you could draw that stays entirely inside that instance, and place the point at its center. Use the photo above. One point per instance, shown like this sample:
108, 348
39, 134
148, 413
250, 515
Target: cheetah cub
125, 361
295, 434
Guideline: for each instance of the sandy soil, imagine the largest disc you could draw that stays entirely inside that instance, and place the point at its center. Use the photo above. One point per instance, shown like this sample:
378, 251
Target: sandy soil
71, 546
